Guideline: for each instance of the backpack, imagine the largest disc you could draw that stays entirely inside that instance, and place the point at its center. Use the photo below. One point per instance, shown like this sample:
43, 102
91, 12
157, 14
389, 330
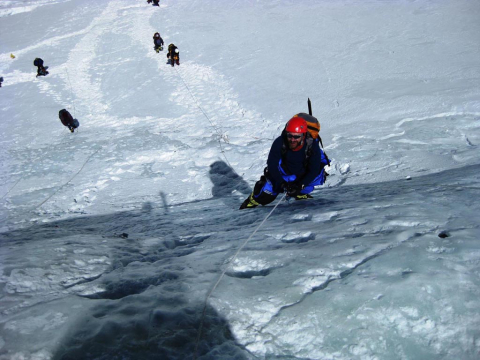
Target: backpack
65, 117
313, 125
38, 62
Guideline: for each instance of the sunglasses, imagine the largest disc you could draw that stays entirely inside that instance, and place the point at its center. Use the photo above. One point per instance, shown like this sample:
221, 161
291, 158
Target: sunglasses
296, 137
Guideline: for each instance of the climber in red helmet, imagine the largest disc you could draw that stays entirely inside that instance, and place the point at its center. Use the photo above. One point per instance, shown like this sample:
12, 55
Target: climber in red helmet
295, 165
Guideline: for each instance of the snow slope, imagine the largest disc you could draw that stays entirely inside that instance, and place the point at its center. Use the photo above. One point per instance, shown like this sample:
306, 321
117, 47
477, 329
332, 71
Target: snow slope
113, 238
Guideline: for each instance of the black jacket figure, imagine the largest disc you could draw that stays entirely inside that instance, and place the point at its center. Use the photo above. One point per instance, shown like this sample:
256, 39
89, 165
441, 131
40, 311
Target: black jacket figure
295, 165
41, 70
67, 120
157, 42
1, 81
155, 2
173, 55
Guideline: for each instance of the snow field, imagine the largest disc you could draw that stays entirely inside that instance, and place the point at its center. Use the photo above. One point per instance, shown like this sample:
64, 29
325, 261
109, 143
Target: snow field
113, 236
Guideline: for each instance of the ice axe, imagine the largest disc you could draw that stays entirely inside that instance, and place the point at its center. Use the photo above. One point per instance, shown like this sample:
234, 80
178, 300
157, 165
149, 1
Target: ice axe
319, 138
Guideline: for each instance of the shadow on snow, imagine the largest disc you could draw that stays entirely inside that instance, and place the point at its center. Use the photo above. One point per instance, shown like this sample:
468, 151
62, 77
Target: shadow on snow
149, 315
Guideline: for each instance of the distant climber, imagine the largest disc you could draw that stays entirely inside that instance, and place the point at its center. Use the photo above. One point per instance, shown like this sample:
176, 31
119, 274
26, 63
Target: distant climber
1, 81
173, 55
67, 119
41, 70
157, 42
295, 164
155, 3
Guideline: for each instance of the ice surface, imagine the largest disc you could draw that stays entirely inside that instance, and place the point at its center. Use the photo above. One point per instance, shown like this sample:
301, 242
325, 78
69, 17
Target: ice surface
112, 238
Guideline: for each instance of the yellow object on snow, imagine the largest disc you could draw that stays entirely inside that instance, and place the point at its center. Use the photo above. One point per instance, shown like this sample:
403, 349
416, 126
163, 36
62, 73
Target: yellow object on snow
12, 56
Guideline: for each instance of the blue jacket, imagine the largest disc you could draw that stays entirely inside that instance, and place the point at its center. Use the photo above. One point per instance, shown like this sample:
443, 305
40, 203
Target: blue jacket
293, 163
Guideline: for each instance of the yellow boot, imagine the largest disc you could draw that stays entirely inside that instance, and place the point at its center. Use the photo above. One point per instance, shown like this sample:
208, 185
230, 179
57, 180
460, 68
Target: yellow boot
249, 203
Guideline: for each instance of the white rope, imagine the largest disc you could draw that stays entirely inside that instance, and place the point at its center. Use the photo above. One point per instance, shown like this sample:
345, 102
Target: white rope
71, 92
223, 273
61, 187
219, 133
12, 188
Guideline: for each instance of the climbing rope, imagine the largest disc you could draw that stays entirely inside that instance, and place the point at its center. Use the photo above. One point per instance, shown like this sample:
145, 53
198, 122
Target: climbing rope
219, 133
220, 136
11, 188
71, 92
61, 187
199, 334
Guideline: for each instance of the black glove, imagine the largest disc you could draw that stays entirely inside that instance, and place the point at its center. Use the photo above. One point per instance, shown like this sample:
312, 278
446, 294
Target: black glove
293, 189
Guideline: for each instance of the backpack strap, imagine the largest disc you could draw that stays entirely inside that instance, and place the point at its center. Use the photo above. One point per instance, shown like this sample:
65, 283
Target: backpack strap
326, 156
284, 145
309, 140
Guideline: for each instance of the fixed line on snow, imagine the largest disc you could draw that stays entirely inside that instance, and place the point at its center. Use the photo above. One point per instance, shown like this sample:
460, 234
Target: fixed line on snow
61, 187
219, 133
71, 91
8, 192
195, 356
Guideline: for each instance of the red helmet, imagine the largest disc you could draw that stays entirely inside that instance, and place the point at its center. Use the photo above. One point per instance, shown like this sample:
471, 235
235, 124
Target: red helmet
296, 125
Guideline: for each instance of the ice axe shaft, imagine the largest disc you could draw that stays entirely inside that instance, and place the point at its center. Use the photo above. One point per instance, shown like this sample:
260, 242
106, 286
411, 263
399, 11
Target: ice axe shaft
309, 107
